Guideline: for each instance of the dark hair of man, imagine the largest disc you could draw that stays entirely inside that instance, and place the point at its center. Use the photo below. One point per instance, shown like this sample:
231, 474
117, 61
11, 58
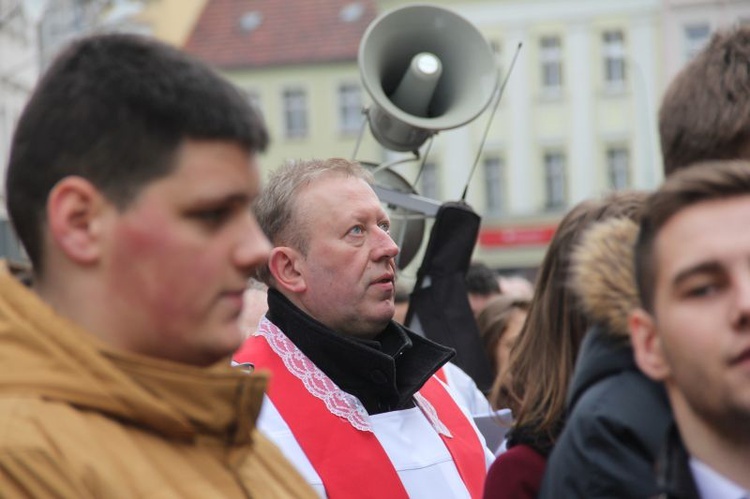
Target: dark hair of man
481, 280
541, 362
115, 109
705, 113
701, 182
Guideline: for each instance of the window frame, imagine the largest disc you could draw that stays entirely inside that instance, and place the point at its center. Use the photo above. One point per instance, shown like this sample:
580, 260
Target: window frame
551, 63
694, 44
617, 157
614, 55
494, 175
555, 182
349, 102
296, 122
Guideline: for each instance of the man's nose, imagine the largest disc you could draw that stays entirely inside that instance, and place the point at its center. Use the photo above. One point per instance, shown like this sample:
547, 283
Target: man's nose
386, 246
741, 304
253, 247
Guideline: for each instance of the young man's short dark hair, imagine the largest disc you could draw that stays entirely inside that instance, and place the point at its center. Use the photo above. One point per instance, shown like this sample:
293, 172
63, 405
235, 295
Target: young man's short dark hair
705, 113
701, 182
481, 280
88, 118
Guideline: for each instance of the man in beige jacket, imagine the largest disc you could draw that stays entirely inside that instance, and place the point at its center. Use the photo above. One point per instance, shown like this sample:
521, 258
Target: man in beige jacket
131, 174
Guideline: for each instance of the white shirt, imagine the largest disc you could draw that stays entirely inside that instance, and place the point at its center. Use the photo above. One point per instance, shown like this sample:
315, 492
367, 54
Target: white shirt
410, 437
417, 452
712, 485
469, 395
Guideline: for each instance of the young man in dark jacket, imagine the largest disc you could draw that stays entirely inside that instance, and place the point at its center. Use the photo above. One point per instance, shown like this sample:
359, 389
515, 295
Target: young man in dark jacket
692, 332
703, 116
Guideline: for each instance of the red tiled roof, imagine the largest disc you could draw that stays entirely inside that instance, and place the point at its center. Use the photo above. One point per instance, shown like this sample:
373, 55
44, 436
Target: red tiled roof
290, 32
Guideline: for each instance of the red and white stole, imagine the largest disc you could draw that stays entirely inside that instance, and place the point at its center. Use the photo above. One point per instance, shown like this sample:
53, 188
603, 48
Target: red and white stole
333, 428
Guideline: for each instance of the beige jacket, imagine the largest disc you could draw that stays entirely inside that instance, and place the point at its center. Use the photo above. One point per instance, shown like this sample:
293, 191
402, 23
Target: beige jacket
80, 420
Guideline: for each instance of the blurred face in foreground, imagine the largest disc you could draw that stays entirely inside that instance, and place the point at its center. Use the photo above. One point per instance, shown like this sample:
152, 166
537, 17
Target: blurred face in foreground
180, 254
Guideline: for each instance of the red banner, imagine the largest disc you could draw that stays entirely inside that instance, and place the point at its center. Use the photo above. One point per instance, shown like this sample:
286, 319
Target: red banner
503, 237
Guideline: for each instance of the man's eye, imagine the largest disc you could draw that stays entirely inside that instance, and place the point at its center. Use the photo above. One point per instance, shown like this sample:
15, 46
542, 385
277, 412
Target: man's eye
702, 290
213, 216
385, 226
356, 230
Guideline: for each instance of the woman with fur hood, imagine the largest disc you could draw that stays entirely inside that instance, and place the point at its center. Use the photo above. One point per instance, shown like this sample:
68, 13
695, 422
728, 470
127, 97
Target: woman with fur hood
617, 417
541, 363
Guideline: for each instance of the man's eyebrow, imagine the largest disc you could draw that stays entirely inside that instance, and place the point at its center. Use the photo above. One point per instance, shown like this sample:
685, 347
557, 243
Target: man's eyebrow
710, 267
229, 198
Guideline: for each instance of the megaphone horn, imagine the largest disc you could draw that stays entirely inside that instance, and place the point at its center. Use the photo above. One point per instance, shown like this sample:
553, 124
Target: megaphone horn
426, 69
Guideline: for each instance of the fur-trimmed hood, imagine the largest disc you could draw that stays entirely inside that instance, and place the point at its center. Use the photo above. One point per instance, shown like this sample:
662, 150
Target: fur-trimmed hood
602, 278
602, 274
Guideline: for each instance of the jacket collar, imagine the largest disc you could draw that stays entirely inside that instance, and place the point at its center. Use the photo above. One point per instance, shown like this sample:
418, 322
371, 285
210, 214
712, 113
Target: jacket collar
529, 436
602, 355
673, 476
44, 354
383, 373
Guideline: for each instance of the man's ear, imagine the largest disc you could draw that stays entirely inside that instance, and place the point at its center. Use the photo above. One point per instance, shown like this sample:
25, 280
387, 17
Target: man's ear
74, 208
283, 263
647, 345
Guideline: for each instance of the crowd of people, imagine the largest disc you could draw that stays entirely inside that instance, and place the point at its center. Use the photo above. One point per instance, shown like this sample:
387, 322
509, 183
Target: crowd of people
184, 331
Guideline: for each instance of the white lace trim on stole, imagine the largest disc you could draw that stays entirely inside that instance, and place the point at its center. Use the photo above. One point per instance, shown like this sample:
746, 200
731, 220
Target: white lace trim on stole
337, 401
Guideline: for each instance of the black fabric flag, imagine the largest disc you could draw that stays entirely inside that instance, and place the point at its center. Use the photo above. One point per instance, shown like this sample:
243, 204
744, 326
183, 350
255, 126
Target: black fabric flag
439, 305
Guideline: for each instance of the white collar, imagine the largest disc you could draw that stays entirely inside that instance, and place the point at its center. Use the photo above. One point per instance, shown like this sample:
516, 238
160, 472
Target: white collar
712, 485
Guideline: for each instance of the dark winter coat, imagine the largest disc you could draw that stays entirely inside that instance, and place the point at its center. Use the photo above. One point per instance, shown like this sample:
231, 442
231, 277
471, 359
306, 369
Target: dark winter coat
673, 469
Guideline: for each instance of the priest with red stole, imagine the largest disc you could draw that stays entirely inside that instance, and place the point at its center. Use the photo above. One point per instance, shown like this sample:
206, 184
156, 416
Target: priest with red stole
353, 401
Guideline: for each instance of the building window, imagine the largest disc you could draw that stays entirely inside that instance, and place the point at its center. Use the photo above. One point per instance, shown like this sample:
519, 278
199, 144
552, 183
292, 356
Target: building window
618, 166
350, 108
551, 57
614, 59
250, 20
253, 98
554, 177
429, 181
696, 37
4, 135
295, 113
497, 47
10, 246
494, 184
13, 21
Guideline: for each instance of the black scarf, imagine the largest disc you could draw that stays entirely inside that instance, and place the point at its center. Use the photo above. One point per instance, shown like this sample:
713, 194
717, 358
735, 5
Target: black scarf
383, 373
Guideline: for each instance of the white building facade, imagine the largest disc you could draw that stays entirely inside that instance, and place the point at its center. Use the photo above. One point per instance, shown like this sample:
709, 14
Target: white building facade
31, 34
577, 119
689, 24
19, 70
